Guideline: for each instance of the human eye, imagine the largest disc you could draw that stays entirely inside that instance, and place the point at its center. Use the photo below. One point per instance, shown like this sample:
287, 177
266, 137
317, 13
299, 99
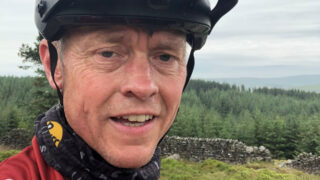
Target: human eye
107, 54
166, 62
165, 57
110, 56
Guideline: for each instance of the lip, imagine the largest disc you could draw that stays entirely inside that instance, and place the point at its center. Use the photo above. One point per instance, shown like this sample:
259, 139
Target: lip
135, 113
134, 131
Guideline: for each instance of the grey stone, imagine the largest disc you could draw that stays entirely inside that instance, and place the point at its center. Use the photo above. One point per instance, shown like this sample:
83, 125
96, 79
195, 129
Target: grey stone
249, 149
262, 148
174, 156
199, 149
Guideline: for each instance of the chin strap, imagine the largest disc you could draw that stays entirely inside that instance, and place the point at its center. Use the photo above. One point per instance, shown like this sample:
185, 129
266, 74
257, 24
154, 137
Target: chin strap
53, 65
190, 66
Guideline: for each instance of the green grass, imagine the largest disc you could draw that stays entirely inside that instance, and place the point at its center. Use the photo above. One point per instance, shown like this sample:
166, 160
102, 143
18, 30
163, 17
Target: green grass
7, 153
217, 170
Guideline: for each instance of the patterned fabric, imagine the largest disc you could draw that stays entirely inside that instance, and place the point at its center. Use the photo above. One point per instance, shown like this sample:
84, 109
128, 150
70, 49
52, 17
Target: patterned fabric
66, 152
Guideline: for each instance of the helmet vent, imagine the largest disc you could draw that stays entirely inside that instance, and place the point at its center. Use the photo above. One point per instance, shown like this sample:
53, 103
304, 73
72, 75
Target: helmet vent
42, 7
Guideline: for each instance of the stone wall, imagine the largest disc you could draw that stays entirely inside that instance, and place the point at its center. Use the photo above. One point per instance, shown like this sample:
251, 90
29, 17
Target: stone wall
305, 162
194, 149
16, 138
198, 149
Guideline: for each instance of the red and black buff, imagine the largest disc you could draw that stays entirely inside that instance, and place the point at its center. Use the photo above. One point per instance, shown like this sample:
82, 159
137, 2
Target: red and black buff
66, 152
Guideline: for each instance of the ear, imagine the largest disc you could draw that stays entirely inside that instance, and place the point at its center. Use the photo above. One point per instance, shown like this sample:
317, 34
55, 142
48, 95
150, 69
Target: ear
45, 60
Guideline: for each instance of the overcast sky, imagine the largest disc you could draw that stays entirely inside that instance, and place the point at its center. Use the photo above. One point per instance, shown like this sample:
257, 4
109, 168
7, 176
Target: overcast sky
258, 38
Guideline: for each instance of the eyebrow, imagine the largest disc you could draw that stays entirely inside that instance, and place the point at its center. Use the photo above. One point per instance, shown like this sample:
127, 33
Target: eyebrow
162, 46
115, 35
118, 35
168, 44
116, 38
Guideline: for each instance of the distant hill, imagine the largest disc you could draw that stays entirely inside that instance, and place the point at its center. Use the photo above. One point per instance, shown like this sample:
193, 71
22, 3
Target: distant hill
314, 88
303, 82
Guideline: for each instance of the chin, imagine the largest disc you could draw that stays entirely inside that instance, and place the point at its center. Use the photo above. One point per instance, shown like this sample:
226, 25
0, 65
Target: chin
131, 158
131, 163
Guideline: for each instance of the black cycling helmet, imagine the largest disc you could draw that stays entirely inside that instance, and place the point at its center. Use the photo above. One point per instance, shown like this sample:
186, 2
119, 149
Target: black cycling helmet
194, 17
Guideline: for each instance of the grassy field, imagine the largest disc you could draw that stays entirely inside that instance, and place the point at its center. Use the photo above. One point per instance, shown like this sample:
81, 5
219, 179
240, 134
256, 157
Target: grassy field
5, 152
215, 170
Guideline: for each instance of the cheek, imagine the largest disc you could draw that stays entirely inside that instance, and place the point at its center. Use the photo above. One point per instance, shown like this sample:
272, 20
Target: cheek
85, 92
83, 82
88, 92
171, 96
171, 93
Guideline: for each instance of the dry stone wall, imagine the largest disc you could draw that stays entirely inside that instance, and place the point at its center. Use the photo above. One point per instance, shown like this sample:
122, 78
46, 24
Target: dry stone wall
16, 139
305, 162
194, 149
199, 149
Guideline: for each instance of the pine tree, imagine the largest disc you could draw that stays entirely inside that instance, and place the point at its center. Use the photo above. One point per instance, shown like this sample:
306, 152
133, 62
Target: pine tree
43, 95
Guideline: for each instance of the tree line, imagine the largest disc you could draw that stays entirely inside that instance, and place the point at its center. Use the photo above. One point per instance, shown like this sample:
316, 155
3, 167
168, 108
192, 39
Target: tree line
285, 121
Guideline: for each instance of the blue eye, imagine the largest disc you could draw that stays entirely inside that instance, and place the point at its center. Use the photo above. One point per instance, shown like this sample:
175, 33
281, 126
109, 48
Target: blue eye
165, 57
107, 54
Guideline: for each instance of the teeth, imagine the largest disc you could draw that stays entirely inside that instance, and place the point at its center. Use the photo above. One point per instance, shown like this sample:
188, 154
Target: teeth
137, 118
132, 118
141, 118
133, 124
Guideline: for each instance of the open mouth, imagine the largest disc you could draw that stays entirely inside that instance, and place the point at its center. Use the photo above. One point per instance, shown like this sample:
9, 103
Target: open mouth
133, 120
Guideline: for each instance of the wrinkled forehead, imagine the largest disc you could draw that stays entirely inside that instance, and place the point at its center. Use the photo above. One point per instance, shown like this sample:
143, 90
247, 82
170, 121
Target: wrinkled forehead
100, 32
124, 29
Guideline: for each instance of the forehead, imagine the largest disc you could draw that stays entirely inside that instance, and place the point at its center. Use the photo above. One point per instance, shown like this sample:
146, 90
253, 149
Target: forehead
122, 30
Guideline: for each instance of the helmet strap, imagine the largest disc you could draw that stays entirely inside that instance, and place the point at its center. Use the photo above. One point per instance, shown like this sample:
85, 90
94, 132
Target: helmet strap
190, 66
53, 64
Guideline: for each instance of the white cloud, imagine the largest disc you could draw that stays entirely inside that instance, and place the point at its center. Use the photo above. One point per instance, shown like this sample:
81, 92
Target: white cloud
275, 49
264, 38
17, 27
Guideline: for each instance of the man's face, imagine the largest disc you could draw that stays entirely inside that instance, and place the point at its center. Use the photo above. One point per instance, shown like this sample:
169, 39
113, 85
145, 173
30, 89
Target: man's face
122, 88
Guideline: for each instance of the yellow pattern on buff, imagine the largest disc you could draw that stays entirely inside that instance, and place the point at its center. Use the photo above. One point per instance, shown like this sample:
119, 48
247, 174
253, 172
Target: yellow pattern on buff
56, 131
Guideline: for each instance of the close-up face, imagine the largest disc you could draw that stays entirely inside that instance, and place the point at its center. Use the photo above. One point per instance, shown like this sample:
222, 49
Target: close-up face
122, 88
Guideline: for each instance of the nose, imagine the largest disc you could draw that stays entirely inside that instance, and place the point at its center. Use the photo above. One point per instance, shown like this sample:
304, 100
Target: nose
140, 81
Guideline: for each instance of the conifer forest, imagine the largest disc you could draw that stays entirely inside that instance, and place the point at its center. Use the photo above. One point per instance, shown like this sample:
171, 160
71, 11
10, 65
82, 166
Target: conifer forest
285, 121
